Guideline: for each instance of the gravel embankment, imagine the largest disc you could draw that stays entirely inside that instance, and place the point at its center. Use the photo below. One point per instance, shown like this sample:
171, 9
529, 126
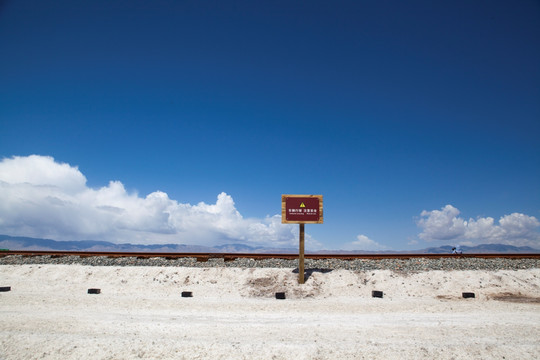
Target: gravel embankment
403, 265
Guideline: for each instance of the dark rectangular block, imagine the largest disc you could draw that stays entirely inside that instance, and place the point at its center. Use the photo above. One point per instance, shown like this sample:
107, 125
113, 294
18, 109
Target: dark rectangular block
5, 288
94, 291
467, 295
280, 295
187, 294
377, 294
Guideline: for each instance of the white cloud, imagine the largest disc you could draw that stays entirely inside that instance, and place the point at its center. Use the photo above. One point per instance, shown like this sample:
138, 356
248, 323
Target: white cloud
364, 243
40, 197
514, 229
441, 224
41, 170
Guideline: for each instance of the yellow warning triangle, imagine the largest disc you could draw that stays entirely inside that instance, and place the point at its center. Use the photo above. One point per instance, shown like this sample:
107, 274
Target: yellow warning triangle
302, 205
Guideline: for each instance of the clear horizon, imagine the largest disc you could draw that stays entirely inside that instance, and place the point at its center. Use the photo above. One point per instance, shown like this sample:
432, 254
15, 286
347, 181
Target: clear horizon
231, 247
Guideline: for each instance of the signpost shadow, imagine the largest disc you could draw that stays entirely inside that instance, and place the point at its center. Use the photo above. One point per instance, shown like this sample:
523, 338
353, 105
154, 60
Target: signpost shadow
308, 272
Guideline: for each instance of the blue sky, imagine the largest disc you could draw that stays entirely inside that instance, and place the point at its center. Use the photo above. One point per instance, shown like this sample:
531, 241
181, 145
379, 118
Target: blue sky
391, 110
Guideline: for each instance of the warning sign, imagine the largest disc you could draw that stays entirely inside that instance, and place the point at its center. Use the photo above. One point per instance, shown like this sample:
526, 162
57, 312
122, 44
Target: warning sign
301, 209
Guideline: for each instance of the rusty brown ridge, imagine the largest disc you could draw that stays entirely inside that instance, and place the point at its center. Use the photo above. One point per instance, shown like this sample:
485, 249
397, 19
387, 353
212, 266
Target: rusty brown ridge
255, 256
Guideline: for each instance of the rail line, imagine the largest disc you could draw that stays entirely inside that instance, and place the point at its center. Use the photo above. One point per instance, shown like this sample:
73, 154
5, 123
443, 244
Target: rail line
258, 256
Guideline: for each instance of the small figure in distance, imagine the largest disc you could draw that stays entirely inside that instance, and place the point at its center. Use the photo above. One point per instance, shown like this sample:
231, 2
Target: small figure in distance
457, 250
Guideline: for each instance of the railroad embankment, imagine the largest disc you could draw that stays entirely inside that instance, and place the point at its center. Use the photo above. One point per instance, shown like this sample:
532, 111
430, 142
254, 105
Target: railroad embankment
389, 262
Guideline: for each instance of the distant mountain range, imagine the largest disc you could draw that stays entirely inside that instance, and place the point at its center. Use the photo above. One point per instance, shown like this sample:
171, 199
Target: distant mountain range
482, 249
27, 243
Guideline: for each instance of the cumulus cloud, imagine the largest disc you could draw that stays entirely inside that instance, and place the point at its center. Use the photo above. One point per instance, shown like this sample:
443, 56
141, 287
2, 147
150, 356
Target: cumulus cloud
445, 224
362, 242
41, 197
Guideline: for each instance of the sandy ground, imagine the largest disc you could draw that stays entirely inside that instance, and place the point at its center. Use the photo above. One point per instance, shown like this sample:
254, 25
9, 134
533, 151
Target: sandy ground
233, 314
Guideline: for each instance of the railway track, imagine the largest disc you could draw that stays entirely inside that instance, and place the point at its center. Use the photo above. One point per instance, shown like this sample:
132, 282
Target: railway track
255, 256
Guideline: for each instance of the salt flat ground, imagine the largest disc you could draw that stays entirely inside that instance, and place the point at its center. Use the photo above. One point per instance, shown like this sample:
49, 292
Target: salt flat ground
233, 314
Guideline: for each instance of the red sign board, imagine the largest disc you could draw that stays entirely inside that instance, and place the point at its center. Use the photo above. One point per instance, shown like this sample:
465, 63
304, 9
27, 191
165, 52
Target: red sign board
301, 209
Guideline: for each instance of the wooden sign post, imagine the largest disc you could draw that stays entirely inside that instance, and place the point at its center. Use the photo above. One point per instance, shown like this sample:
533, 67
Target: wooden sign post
301, 209
301, 272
